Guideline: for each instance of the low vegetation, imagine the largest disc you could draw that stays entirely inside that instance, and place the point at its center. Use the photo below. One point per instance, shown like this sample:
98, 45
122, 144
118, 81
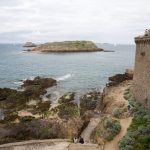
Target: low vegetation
29, 117
66, 98
67, 46
68, 110
30, 128
119, 112
107, 129
138, 134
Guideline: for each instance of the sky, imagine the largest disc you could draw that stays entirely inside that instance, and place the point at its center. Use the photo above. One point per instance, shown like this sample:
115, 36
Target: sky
103, 21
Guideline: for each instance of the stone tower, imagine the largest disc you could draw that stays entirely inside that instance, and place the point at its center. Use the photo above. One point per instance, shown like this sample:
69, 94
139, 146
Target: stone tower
141, 80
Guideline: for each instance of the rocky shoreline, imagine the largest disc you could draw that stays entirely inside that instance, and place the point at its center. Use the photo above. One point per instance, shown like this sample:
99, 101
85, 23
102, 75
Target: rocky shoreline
28, 117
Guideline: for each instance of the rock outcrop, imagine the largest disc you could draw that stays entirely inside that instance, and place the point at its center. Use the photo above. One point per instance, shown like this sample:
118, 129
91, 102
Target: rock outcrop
12, 101
118, 78
68, 46
29, 44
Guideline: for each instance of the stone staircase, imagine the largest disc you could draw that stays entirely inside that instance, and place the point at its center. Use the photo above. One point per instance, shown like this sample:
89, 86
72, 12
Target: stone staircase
89, 129
86, 136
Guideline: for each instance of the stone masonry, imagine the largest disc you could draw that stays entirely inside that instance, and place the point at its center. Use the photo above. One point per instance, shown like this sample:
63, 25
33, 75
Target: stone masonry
141, 79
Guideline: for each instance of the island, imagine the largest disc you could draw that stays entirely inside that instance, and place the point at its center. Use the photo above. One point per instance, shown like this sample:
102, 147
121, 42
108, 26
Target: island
68, 46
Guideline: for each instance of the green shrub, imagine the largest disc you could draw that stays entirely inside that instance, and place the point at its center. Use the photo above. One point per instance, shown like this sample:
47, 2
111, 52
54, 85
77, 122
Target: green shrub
117, 112
127, 96
107, 129
138, 135
113, 130
126, 92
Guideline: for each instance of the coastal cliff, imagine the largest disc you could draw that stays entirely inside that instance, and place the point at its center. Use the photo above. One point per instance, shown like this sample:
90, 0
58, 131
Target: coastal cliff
68, 46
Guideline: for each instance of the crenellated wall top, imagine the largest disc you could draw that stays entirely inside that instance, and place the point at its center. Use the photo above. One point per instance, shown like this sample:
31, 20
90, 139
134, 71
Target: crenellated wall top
143, 39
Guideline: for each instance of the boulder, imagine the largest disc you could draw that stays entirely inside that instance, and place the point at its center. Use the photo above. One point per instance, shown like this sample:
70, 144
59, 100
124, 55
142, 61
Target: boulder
129, 73
43, 82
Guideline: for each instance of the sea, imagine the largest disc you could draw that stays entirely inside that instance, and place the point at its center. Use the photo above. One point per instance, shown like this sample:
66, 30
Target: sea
74, 72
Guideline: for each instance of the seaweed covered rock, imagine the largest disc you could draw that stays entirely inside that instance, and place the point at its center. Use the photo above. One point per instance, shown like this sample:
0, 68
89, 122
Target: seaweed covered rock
68, 97
9, 117
43, 82
89, 101
43, 107
68, 110
12, 101
6, 92
35, 88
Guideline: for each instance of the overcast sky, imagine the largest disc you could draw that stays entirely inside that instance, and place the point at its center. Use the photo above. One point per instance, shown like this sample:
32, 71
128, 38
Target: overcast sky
111, 21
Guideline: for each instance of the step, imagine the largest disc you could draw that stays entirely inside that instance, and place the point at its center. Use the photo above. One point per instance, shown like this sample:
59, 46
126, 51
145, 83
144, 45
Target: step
88, 146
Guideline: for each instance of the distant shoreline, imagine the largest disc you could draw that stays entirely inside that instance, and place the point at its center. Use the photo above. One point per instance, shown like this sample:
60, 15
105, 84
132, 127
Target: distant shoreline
65, 51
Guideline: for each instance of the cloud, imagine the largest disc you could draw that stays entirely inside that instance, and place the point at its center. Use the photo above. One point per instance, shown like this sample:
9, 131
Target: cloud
111, 21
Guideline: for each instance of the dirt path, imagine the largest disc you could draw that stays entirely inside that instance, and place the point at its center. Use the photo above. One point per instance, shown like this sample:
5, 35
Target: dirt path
89, 129
59, 144
56, 144
113, 145
118, 94
114, 97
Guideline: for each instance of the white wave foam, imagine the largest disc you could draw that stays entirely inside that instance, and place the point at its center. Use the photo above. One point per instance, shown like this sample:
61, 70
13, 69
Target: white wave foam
18, 83
31, 78
65, 77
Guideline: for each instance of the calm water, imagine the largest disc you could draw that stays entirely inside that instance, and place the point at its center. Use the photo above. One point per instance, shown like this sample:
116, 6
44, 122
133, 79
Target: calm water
74, 71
